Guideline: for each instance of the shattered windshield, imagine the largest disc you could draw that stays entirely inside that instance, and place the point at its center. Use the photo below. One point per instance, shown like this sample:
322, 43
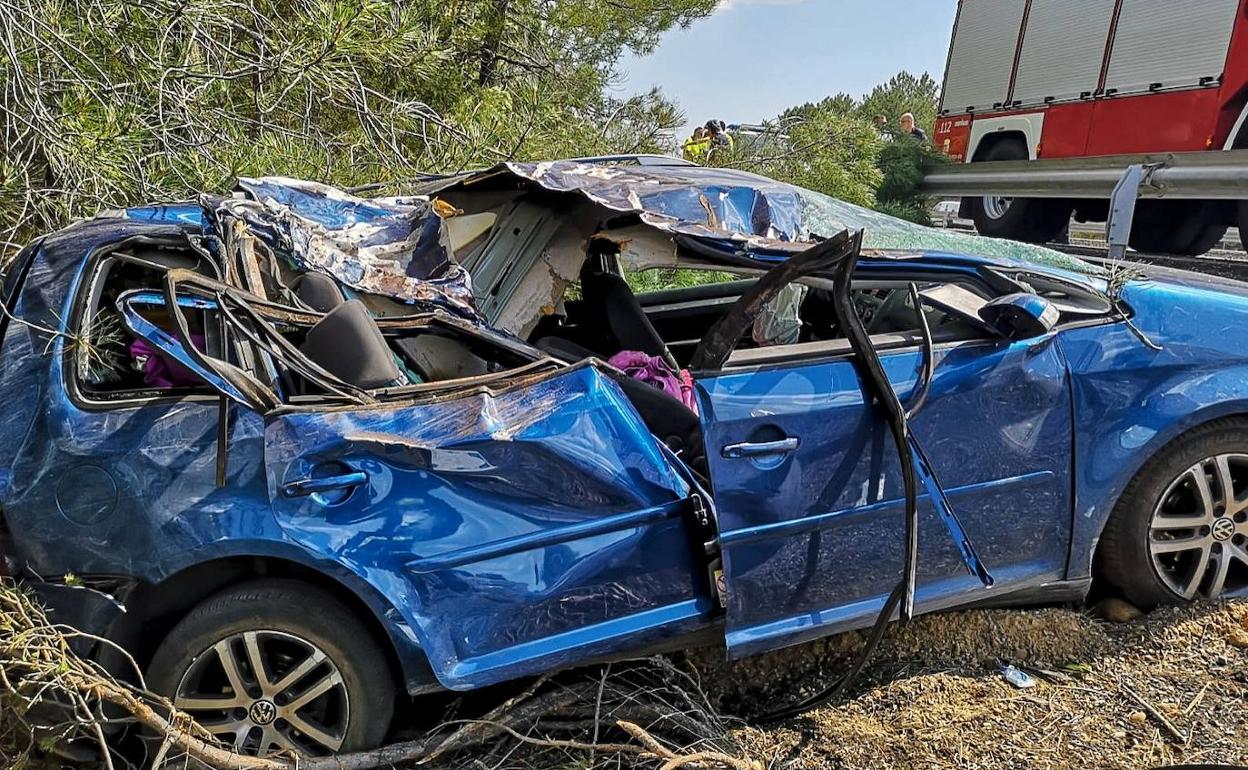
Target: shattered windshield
824, 214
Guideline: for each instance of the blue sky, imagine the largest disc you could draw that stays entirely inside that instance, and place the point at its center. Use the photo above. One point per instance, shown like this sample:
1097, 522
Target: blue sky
754, 58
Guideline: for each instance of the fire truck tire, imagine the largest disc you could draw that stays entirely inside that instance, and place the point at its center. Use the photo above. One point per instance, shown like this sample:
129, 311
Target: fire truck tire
1174, 227
1036, 220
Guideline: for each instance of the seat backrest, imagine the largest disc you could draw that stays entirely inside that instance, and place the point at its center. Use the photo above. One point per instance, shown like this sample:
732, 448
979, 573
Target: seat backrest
318, 291
348, 344
608, 297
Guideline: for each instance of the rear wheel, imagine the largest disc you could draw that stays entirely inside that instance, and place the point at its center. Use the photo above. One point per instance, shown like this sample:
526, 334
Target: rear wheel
278, 665
1174, 227
1035, 220
1180, 531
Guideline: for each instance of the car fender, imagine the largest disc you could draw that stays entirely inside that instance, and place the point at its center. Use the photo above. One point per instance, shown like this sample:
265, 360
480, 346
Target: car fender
1124, 417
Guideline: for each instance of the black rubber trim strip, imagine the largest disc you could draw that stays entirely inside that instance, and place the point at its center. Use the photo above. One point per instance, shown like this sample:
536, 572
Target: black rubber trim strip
871, 370
722, 338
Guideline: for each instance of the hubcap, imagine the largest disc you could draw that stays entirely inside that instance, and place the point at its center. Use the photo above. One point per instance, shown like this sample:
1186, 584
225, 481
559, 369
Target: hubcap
1198, 536
267, 691
996, 206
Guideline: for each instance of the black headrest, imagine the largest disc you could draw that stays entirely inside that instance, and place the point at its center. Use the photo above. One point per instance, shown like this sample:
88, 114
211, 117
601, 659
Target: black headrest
610, 298
318, 291
348, 344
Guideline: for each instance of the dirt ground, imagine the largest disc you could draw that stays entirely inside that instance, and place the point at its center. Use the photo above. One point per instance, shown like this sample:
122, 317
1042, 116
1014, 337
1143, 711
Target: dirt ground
1171, 688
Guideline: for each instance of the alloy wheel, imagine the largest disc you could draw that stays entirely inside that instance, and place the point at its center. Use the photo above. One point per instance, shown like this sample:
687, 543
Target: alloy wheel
996, 207
1198, 534
266, 691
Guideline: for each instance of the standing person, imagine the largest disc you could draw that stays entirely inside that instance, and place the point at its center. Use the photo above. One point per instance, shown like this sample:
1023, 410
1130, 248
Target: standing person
882, 128
908, 127
721, 140
698, 146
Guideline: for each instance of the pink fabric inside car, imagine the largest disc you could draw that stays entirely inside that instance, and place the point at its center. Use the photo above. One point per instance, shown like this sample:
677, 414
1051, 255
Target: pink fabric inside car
653, 370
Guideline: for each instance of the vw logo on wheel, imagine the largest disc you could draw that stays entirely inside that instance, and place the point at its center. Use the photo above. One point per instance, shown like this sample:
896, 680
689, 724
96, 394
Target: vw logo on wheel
1223, 530
263, 712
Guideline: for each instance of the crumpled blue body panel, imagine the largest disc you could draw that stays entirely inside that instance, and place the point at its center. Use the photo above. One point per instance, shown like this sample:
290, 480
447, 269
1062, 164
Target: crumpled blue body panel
395, 248
516, 532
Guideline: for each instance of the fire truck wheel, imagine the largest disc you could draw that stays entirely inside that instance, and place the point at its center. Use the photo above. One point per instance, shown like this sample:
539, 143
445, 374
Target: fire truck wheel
1174, 227
1035, 220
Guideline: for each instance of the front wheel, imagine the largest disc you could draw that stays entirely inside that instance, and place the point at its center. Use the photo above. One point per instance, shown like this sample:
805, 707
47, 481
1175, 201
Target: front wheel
1180, 530
278, 665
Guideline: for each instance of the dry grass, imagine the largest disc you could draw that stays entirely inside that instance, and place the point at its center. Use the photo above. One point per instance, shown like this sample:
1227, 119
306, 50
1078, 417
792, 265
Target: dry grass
1170, 689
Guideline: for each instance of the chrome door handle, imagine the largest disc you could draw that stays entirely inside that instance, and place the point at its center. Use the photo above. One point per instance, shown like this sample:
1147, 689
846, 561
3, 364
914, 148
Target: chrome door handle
305, 487
762, 449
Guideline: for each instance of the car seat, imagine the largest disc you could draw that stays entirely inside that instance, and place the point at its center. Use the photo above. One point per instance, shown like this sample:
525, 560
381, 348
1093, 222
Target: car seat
348, 343
318, 291
437, 358
613, 311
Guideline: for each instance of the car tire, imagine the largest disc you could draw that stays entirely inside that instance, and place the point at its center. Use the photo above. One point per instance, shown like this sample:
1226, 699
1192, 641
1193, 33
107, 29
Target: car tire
1035, 220
291, 626
1161, 544
1180, 228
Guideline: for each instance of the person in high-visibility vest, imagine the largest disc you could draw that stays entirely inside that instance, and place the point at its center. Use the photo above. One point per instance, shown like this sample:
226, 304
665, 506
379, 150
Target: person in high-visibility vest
698, 146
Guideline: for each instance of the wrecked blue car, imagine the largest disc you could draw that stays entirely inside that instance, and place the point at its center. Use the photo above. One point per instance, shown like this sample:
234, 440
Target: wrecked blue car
304, 452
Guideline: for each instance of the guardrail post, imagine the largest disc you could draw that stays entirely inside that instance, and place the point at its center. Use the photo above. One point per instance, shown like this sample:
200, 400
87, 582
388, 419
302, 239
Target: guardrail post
1122, 209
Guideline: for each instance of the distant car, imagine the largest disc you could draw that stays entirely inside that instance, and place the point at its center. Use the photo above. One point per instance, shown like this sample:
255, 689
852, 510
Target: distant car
297, 462
945, 213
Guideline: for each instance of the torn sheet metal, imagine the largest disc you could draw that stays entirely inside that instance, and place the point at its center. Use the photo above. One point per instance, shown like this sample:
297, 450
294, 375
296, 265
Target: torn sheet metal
758, 216
397, 248
518, 538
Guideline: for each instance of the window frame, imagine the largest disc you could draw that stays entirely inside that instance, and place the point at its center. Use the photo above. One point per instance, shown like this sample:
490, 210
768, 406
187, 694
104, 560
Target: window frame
91, 274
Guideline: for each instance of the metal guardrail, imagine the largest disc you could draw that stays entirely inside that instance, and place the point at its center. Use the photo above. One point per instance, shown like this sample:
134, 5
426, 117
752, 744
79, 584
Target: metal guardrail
1189, 175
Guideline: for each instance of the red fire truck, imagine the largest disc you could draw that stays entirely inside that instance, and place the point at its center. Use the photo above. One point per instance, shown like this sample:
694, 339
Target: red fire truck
1056, 85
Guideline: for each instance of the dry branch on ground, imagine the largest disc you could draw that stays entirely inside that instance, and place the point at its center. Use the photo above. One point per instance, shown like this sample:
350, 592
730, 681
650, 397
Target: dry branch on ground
647, 713
1167, 689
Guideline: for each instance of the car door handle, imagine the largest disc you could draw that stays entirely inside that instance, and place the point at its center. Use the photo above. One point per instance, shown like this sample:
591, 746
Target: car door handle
761, 449
305, 487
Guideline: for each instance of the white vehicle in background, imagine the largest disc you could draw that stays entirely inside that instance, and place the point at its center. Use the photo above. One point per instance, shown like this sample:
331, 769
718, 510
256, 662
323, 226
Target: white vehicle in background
945, 214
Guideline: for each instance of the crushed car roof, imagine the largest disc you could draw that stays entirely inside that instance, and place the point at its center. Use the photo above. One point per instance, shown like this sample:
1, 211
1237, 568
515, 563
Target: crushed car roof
398, 246
747, 214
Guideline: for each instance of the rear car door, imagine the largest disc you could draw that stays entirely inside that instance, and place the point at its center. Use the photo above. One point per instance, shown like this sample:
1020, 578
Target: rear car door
517, 523
808, 486
516, 531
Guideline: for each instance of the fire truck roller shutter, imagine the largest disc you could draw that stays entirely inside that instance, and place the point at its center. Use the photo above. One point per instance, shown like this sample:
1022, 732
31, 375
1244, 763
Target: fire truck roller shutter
981, 60
1063, 51
1164, 44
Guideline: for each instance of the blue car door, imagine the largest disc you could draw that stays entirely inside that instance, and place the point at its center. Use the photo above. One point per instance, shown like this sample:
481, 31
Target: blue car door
809, 493
512, 525
514, 532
